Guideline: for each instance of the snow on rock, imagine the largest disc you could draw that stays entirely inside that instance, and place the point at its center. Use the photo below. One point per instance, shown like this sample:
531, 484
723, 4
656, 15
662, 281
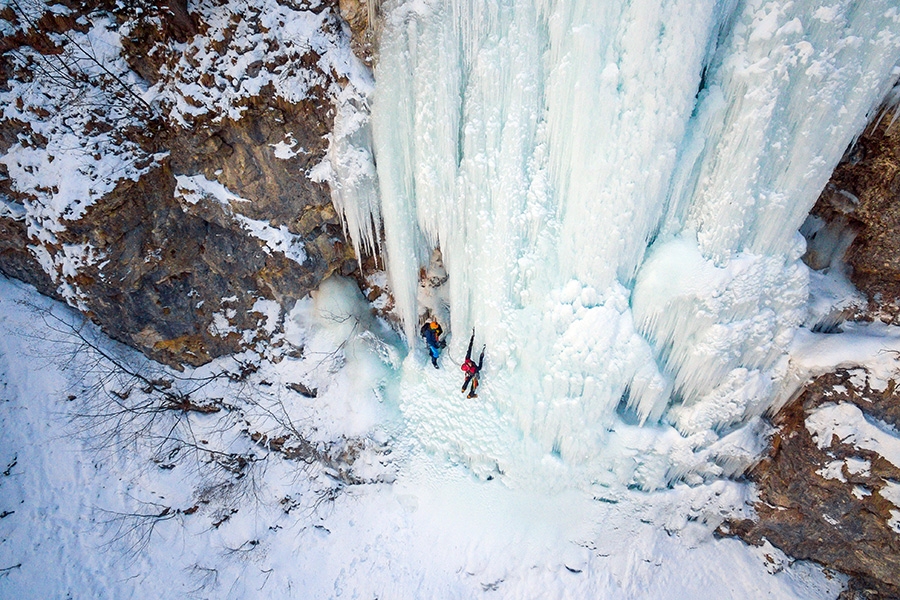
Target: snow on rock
891, 493
848, 423
192, 189
874, 345
854, 466
104, 105
265, 47
823, 488
286, 149
61, 162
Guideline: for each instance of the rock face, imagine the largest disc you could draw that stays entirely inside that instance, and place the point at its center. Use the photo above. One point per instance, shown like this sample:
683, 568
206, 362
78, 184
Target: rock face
183, 207
361, 16
828, 499
857, 217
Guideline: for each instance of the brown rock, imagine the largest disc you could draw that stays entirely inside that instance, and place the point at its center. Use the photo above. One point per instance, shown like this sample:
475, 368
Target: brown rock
840, 524
860, 210
176, 279
362, 17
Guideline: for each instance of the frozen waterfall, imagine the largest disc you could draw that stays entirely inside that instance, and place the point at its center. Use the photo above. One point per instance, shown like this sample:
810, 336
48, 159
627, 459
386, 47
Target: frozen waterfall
615, 189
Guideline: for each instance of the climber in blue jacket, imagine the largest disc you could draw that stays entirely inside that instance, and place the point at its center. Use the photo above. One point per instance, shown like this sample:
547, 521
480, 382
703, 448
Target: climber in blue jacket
432, 331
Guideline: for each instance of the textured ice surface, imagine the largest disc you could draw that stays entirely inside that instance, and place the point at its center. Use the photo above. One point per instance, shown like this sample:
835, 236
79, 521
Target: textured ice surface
616, 192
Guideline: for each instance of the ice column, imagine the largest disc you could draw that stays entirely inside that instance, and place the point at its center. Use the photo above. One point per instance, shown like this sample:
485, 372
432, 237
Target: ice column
616, 189
721, 295
534, 142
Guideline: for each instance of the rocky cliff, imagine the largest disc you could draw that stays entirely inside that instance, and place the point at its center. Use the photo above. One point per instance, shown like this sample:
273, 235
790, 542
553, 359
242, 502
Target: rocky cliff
159, 165
832, 498
854, 224
827, 489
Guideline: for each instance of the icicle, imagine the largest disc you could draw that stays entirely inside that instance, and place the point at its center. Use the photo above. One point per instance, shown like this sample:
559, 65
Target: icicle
352, 178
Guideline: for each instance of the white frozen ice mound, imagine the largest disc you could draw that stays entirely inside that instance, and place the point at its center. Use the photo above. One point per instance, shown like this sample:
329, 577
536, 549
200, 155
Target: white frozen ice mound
722, 332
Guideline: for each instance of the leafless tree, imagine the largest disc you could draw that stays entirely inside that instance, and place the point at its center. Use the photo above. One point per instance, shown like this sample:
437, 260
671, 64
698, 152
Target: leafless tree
121, 401
78, 67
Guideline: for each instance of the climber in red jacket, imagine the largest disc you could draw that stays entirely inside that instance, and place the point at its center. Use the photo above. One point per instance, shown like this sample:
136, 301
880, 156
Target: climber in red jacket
471, 369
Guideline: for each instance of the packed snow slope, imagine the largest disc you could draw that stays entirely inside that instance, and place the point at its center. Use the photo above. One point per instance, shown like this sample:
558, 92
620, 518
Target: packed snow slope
109, 492
615, 190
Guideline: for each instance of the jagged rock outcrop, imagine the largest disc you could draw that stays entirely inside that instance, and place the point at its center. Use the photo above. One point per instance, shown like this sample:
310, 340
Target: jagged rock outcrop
362, 17
827, 499
857, 217
183, 200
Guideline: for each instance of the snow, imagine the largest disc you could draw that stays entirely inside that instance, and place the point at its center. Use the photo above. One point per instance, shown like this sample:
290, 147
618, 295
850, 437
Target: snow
286, 149
194, 188
873, 345
11, 210
72, 495
854, 466
221, 325
852, 427
858, 466
833, 470
860, 492
891, 493
264, 46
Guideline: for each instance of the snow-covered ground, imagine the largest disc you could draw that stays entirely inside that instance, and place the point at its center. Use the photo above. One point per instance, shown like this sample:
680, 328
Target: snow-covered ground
94, 506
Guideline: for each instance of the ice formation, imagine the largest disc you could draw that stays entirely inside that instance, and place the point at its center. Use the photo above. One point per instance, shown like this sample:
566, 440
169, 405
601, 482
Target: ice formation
616, 190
